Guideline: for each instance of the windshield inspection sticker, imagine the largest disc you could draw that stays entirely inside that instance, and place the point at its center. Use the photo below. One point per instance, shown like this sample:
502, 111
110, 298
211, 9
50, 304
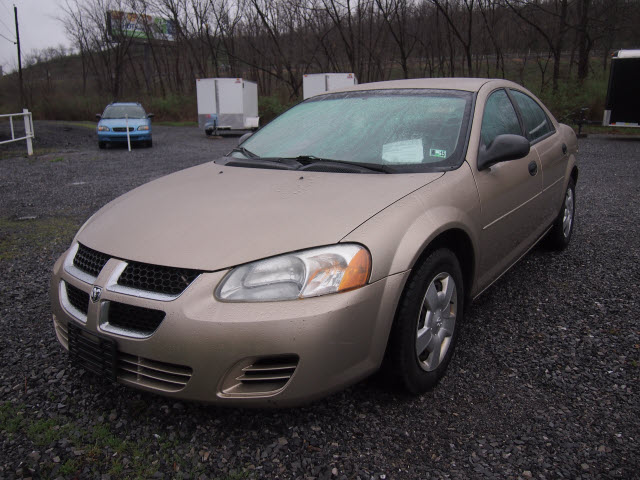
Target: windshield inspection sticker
406, 151
434, 152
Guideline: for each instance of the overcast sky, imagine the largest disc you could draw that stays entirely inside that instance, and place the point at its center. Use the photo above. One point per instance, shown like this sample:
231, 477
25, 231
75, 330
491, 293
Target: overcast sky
39, 29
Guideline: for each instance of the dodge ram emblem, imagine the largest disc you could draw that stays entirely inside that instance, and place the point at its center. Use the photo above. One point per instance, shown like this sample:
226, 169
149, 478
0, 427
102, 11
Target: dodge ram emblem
95, 294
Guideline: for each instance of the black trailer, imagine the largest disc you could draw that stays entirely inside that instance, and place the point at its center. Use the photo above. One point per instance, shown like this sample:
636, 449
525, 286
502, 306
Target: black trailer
623, 94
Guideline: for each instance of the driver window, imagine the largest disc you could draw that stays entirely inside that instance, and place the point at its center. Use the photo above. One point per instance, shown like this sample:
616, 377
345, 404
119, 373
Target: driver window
499, 118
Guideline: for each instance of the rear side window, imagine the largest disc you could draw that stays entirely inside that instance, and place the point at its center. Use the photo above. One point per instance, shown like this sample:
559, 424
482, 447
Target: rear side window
536, 123
499, 117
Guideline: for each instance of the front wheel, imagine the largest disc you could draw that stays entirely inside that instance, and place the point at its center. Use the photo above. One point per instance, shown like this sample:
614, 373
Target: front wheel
559, 236
425, 330
102, 145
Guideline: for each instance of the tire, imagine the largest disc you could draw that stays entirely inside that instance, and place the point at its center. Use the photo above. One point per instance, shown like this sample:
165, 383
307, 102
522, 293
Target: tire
102, 145
149, 143
425, 331
559, 236
208, 133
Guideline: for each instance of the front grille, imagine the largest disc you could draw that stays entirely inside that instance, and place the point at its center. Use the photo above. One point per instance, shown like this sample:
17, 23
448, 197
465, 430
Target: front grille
138, 319
122, 129
153, 374
156, 278
90, 261
77, 298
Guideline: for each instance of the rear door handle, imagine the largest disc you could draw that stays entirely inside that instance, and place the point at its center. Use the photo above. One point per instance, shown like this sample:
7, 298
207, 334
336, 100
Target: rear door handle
533, 168
564, 148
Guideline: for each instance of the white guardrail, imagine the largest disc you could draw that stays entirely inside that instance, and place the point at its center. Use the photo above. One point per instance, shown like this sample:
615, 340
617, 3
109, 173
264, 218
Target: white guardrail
28, 129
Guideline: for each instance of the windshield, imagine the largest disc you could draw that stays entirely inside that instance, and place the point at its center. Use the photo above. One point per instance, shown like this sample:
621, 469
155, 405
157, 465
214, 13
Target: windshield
413, 130
119, 111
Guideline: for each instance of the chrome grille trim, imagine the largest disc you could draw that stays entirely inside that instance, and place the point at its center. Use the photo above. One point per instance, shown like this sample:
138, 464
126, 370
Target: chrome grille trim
152, 374
263, 372
112, 286
66, 304
157, 278
74, 271
105, 326
260, 376
112, 282
90, 261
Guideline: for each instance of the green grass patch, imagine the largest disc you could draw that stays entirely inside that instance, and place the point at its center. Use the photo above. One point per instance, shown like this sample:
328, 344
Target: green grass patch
70, 467
11, 417
87, 125
22, 152
599, 129
102, 448
103, 437
235, 476
21, 237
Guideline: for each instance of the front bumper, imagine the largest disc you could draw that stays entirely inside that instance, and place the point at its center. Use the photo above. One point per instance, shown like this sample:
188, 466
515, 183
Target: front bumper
298, 350
135, 136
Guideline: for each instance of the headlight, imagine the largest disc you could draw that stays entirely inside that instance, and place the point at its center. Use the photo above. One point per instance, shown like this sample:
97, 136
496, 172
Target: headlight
309, 273
102, 128
143, 127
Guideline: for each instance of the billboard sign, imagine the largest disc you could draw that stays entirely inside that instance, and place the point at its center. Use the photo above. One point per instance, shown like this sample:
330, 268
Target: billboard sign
134, 25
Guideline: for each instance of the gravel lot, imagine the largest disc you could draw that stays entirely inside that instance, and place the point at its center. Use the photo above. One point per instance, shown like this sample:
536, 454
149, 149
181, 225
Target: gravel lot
544, 383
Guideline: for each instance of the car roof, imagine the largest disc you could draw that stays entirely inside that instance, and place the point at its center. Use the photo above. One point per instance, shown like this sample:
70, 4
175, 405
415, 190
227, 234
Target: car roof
124, 103
465, 84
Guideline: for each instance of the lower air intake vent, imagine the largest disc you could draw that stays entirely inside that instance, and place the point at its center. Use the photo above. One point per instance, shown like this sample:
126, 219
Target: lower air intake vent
136, 319
152, 374
261, 376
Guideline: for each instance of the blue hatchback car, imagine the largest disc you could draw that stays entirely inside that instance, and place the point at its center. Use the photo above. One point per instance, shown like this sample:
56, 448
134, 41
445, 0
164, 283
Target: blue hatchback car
112, 124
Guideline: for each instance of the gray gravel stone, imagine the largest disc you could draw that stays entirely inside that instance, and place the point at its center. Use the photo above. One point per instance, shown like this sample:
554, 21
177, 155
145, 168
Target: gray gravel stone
544, 381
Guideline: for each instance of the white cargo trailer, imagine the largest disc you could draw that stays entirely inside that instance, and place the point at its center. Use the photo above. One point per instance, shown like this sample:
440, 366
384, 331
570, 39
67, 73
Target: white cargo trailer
316, 83
622, 108
231, 102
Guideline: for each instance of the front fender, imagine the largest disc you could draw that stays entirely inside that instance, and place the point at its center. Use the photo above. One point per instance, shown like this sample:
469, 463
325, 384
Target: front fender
399, 234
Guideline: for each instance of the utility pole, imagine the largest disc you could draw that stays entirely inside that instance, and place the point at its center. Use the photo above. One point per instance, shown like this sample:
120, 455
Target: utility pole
15, 11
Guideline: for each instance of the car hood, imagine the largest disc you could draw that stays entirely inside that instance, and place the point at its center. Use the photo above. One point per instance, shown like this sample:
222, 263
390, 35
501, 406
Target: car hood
121, 122
212, 217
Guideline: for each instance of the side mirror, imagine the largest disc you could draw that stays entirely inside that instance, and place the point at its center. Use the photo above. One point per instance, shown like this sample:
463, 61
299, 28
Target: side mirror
503, 148
98, 116
150, 115
244, 137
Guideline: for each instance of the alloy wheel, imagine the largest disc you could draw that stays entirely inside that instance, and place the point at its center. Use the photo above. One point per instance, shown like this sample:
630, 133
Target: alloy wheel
437, 321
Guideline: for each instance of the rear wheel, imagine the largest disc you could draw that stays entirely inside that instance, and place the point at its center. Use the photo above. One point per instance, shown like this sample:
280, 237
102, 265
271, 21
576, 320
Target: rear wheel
559, 236
427, 322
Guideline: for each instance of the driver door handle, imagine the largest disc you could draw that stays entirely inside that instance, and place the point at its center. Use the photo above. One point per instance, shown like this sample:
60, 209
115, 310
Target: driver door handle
533, 168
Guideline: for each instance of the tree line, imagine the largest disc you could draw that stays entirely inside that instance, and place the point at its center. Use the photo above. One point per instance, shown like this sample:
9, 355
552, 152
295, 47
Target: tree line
275, 42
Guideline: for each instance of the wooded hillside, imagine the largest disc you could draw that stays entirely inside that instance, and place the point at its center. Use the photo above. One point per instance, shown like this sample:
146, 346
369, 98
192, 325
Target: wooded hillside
557, 48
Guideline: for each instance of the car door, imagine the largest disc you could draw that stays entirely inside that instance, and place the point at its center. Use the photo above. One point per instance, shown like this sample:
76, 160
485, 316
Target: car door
509, 194
551, 150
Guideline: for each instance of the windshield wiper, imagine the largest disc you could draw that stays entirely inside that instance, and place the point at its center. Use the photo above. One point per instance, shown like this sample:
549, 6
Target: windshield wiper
245, 152
311, 160
259, 162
